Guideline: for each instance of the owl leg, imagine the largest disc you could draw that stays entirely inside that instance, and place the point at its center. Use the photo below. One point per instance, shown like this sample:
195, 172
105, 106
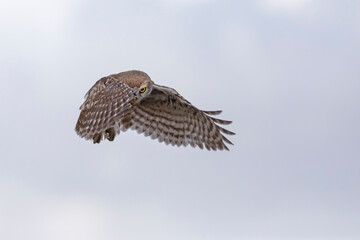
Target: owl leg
110, 134
97, 137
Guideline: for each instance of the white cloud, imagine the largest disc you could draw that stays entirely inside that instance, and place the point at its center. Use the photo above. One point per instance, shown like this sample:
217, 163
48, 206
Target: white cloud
286, 7
71, 219
34, 215
38, 15
183, 3
276, 89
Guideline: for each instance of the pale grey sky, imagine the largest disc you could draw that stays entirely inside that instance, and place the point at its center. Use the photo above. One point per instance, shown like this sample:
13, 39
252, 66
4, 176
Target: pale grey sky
285, 71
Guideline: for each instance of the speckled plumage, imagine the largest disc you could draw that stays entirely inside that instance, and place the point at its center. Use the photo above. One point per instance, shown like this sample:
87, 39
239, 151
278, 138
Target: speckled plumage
116, 104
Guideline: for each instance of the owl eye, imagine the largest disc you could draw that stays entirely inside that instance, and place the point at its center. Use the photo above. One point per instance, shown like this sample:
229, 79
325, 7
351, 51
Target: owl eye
142, 90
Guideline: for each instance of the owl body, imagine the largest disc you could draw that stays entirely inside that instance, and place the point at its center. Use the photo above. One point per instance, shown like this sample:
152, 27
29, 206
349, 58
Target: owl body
131, 100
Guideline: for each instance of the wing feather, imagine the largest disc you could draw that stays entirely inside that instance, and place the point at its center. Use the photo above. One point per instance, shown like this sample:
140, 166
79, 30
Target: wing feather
105, 105
170, 118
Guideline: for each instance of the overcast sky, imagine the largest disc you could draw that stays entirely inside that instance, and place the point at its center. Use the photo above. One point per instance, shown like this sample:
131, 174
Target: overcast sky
286, 72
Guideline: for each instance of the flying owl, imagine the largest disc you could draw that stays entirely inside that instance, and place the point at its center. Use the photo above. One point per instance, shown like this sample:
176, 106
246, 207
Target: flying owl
132, 100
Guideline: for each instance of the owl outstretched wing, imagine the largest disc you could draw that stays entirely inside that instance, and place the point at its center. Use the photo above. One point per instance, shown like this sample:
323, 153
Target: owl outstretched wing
105, 104
170, 118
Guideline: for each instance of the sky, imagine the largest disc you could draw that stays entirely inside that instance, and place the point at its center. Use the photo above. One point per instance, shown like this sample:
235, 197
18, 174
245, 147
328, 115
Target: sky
286, 72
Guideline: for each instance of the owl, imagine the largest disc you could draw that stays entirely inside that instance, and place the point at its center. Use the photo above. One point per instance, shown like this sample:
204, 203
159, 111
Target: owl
131, 100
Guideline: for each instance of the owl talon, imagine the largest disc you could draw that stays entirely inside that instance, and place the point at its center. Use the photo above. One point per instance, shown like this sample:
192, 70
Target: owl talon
110, 134
97, 138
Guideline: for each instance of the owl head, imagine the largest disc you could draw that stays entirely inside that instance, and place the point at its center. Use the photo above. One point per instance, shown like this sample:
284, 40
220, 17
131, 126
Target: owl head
139, 81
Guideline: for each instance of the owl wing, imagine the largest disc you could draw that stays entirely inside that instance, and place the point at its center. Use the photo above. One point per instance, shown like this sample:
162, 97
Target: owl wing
105, 104
167, 116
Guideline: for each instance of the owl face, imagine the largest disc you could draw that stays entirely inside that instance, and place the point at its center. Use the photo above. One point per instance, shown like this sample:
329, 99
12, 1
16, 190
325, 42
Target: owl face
143, 90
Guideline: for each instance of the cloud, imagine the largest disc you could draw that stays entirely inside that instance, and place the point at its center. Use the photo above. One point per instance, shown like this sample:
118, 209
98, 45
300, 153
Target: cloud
182, 3
286, 7
291, 91
38, 15
45, 216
